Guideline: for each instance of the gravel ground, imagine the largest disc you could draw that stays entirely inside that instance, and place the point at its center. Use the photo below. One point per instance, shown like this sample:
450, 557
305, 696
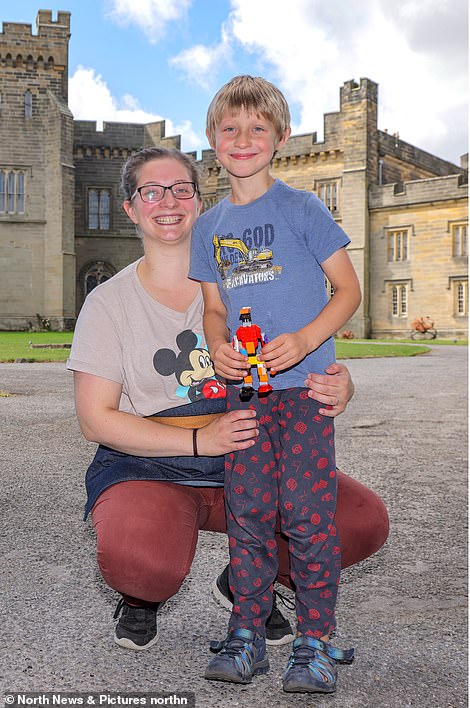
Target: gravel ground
403, 609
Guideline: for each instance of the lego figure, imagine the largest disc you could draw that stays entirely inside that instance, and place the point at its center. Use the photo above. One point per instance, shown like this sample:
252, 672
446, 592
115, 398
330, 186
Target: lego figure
246, 342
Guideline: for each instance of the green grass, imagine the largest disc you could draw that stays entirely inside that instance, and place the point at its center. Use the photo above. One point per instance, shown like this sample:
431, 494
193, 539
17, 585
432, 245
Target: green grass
15, 345
364, 349
458, 342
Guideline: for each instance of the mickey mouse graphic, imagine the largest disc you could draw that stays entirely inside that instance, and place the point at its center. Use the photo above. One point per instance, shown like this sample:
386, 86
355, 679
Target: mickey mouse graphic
192, 368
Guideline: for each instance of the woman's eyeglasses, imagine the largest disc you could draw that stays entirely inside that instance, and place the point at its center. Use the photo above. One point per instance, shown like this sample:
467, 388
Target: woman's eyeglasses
155, 192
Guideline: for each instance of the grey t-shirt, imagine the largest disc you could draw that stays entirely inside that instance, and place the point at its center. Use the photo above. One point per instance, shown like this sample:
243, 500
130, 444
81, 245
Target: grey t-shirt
157, 354
267, 255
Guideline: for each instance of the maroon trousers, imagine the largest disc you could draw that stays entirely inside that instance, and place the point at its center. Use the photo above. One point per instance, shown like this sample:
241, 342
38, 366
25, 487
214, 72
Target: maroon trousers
147, 532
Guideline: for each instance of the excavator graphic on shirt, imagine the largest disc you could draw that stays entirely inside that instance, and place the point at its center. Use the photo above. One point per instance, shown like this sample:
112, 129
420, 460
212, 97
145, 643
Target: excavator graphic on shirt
250, 260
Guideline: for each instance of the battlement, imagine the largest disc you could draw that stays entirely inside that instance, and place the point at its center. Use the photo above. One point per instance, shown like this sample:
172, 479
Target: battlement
47, 49
353, 92
45, 23
422, 191
115, 139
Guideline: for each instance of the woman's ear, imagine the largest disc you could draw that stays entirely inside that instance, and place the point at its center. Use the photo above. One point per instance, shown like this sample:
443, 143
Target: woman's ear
130, 211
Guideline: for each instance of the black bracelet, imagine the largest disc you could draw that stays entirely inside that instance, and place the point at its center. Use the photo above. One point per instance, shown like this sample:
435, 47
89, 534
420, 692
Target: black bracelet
195, 452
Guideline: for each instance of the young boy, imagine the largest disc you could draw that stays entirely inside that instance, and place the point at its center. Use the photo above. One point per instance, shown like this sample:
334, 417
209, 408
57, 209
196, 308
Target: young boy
268, 247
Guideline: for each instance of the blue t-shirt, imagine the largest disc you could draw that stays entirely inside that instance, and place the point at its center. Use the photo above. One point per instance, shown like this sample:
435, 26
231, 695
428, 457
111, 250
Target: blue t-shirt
267, 255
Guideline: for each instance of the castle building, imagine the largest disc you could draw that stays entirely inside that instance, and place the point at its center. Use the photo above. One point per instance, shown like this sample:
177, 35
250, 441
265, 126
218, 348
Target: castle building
63, 229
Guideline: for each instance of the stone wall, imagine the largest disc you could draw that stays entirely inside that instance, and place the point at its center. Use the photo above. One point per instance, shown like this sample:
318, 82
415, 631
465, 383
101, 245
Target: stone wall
37, 243
428, 209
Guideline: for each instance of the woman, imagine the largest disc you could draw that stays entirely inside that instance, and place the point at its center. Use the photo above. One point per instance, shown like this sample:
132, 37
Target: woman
145, 390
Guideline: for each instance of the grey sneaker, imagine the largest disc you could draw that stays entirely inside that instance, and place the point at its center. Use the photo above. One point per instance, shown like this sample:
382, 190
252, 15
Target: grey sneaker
137, 626
278, 629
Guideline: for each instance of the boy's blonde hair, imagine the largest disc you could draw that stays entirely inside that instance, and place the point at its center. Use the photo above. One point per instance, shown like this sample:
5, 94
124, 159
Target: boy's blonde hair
254, 94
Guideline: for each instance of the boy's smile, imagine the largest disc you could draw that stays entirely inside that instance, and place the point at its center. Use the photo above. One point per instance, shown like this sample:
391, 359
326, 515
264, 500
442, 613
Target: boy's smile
245, 143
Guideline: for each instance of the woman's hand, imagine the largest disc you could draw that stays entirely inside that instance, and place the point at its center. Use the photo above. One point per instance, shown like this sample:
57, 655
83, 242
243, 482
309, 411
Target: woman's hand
236, 430
334, 388
101, 421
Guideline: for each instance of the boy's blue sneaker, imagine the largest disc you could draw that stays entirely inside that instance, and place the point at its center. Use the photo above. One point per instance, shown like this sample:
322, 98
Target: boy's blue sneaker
240, 656
312, 666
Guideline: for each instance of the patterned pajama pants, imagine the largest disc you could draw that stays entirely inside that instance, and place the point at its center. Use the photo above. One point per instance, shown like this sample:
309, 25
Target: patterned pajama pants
291, 471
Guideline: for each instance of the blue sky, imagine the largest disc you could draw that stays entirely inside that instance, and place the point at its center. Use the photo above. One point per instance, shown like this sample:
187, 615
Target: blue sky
144, 60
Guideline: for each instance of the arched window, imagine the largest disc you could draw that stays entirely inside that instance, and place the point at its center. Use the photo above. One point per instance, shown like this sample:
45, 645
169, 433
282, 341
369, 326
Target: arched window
28, 105
95, 273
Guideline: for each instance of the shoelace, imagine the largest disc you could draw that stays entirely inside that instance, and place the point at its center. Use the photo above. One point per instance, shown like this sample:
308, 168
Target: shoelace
321, 665
286, 601
118, 608
235, 646
151, 606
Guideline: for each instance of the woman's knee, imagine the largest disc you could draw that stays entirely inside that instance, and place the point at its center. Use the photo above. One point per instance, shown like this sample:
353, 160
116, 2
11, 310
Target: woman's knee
141, 570
143, 550
361, 519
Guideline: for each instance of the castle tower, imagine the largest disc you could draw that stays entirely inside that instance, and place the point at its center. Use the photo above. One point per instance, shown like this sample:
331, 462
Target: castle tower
36, 175
360, 151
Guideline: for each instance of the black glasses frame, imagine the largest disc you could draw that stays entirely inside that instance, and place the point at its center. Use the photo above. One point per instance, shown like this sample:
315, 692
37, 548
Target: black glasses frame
162, 186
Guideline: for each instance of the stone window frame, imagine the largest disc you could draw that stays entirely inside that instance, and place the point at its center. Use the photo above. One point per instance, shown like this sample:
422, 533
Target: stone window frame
459, 286
398, 297
102, 217
459, 233
12, 191
398, 243
329, 191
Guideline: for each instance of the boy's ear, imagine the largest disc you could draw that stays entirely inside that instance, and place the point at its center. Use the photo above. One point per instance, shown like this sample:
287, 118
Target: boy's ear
285, 137
211, 143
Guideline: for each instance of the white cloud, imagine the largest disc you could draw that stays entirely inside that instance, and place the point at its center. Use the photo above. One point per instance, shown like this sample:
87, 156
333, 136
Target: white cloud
91, 99
151, 16
200, 63
324, 44
414, 49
